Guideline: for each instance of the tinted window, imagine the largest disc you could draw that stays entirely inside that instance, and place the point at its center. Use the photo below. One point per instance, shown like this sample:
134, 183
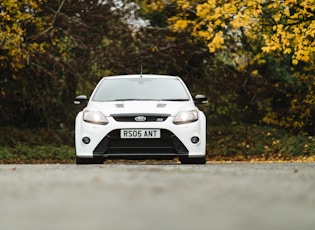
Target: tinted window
140, 89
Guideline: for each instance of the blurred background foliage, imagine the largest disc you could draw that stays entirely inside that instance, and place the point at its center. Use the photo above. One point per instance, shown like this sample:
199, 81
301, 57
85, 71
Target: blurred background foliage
253, 59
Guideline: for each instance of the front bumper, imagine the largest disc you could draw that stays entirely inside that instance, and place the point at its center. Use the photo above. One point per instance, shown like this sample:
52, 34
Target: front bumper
175, 140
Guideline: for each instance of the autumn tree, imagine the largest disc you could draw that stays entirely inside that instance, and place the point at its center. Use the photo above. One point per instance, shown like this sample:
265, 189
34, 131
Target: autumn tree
254, 59
18, 24
52, 50
270, 44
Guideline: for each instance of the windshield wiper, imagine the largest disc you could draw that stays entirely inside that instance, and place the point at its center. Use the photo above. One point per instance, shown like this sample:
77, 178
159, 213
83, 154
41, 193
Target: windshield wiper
139, 99
174, 99
134, 99
125, 99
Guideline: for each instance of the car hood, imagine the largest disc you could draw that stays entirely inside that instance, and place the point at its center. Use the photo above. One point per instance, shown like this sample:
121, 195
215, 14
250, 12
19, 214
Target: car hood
141, 107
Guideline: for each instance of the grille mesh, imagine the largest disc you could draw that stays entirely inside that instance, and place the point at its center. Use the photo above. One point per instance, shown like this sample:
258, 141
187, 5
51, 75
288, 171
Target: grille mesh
113, 145
148, 118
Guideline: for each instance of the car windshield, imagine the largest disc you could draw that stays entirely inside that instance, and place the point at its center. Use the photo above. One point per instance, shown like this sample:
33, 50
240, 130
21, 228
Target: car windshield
124, 89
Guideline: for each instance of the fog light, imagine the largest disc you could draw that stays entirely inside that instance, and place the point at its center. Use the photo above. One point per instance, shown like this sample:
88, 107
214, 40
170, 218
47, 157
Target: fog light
86, 140
195, 140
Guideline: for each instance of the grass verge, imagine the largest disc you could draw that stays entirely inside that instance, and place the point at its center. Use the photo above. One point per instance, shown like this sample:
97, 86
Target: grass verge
23, 154
225, 144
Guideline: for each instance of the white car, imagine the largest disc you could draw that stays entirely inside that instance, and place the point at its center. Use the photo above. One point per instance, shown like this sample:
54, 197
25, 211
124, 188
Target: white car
140, 117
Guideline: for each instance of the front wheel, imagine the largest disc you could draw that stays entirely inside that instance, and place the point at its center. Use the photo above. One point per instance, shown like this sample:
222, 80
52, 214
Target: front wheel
83, 161
197, 160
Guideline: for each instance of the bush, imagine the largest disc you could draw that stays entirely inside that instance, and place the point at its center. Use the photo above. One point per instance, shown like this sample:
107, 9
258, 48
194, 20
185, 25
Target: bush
12, 136
36, 146
242, 142
39, 154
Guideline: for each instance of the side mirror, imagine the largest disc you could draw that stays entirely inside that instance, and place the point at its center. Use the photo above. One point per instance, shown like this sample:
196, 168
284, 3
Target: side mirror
82, 99
200, 99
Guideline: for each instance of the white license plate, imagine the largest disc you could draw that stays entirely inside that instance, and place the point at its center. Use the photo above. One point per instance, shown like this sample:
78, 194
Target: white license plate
140, 133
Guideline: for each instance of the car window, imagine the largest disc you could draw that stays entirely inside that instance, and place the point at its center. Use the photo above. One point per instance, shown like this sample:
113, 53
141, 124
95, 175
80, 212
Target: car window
141, 89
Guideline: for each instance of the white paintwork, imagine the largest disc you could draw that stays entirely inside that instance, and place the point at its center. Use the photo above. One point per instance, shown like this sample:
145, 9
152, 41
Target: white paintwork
184, 132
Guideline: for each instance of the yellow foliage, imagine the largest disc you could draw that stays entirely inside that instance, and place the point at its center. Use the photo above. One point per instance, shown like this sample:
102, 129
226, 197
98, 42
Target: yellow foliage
12, 35
287, 51
156, 5
295, 61
255, 72
288, 28
217, 42
180, 24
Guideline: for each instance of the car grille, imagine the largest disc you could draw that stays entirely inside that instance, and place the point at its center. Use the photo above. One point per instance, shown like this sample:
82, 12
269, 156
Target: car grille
112, 146
132, 117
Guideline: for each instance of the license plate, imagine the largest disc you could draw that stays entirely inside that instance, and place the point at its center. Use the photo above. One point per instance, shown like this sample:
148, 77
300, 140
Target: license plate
140, 133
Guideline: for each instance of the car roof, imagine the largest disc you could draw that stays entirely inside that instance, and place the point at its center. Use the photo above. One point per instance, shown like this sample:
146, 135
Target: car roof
142, 76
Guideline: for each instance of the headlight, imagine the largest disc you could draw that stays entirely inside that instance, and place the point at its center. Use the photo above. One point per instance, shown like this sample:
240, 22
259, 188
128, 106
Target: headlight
95, 117
186, 117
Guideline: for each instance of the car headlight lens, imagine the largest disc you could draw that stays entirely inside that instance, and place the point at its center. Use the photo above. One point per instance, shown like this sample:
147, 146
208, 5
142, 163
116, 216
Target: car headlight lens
186, 117
95, 117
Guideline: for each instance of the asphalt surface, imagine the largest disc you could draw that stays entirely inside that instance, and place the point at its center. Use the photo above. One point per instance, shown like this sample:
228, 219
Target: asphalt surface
135, 196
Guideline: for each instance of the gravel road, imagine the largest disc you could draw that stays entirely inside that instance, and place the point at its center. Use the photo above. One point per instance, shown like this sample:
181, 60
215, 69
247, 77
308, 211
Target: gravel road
167, 196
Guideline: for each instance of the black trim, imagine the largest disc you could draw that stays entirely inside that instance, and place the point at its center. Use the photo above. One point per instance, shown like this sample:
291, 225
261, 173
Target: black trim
166, 147
130, 117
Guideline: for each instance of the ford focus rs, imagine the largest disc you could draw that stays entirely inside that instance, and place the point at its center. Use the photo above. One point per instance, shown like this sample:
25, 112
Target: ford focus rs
140, 117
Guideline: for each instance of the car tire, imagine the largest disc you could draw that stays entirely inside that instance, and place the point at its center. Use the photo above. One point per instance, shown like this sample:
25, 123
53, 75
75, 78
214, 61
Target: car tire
198, 160
83, 161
